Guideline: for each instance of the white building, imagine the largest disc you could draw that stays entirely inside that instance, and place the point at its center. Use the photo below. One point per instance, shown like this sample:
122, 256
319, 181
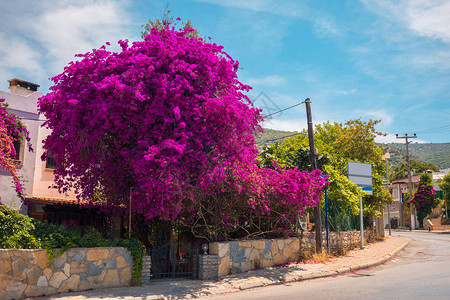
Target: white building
35, 175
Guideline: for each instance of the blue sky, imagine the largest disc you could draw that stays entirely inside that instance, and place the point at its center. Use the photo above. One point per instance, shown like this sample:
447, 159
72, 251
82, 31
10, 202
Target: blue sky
381, 59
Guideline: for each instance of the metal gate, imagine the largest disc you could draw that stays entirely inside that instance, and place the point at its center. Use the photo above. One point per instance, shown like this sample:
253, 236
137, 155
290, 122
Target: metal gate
174, 260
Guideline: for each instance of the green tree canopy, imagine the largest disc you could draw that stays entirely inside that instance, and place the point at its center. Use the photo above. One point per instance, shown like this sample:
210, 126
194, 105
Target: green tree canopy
337, 143
418, 166
444, 184
424, 199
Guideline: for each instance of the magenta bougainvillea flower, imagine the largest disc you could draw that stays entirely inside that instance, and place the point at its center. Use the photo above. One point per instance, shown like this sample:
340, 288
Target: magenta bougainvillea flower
11, 130
167, 119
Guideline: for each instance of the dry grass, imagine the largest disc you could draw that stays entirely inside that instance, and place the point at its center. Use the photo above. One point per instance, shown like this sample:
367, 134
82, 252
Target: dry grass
320, 258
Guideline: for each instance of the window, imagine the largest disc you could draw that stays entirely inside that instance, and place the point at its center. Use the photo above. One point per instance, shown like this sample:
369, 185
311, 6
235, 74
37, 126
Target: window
19, 148
50, 162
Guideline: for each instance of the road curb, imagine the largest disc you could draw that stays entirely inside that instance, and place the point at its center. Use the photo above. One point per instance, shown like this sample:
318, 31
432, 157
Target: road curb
302, 277
382, 260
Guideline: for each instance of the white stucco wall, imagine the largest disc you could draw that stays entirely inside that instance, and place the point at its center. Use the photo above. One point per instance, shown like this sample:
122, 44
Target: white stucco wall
35, 178
23, 106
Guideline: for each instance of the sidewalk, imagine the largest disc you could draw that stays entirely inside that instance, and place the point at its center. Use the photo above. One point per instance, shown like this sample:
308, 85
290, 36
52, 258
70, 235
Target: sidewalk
374, 254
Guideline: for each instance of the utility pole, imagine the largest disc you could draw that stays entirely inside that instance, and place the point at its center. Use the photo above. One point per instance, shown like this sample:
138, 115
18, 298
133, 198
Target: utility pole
312, 154
385, 157
129, 216
413, 215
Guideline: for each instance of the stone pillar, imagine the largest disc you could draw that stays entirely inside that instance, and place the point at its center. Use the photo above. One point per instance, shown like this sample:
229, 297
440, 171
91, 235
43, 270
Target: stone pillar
146, 267
208, 267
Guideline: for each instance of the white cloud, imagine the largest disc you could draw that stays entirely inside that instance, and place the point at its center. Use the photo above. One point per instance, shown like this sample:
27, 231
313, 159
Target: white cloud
18, 55
346, 92
385, 116
272, 80
323, 24
285, 125
66, 31
41, 37
423, 17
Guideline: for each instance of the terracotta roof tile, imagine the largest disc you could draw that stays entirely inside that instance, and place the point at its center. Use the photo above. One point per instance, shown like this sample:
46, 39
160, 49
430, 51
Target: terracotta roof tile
55, 201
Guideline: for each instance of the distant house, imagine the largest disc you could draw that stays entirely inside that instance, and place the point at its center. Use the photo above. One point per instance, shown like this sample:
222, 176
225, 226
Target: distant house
36, 176
399, 188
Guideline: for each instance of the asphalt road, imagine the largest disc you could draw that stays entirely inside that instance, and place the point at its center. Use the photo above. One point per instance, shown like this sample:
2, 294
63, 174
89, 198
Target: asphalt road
421, 271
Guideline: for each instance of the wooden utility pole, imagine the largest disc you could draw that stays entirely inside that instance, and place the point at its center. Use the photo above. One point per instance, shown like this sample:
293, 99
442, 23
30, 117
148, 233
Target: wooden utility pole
312, 154
129, 215
385, 157
413, 215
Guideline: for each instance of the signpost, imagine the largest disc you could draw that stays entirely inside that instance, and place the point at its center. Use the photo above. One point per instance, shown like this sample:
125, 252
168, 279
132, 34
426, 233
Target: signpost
361, 174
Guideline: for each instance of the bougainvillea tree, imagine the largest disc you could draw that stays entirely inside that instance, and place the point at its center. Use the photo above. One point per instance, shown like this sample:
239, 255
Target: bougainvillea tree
11, 130
165, 118
424, 198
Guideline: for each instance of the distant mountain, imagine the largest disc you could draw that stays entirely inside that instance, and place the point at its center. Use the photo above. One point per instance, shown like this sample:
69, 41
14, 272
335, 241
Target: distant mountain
438, 154
271, 136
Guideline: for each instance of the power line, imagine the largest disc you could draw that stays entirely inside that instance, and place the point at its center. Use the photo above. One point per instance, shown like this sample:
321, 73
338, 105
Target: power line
283, 109
436, 129
281, 138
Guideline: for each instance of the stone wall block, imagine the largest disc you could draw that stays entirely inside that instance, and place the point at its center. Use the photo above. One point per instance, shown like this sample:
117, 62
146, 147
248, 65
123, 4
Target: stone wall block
268, 246
42, 281
281, 244
224, 266
5, 254
234, 248
98, 254
111, 278
57, 279
5, 281
25, 254
59, 261
78, 267
19, 268
34, 291
14, 290
258, 244
66, 269
121, 262
78, 256
33, 274
5, 265
70, 285
48, 272
40, 258
125, 276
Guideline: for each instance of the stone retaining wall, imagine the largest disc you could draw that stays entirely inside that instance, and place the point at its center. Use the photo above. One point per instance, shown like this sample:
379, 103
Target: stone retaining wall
146, 269
27, 273
208, 267
241, 256
339, 242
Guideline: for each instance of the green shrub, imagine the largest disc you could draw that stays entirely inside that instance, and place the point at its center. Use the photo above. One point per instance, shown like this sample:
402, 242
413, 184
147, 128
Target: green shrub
18, 231
137, 251
15, 230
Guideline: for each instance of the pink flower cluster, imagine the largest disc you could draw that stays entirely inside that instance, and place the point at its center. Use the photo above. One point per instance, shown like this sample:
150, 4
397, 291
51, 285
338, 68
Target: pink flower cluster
424, 198
11, 130
166, 118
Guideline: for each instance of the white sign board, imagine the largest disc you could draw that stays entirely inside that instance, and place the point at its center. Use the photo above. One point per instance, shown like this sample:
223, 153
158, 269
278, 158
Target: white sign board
361, 174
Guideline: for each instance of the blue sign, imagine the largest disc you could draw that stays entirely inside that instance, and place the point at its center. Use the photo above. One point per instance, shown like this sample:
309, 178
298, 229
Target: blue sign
368, 189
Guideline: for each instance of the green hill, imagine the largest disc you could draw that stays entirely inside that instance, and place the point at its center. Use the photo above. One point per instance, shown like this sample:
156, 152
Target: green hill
270, 136
438, 154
